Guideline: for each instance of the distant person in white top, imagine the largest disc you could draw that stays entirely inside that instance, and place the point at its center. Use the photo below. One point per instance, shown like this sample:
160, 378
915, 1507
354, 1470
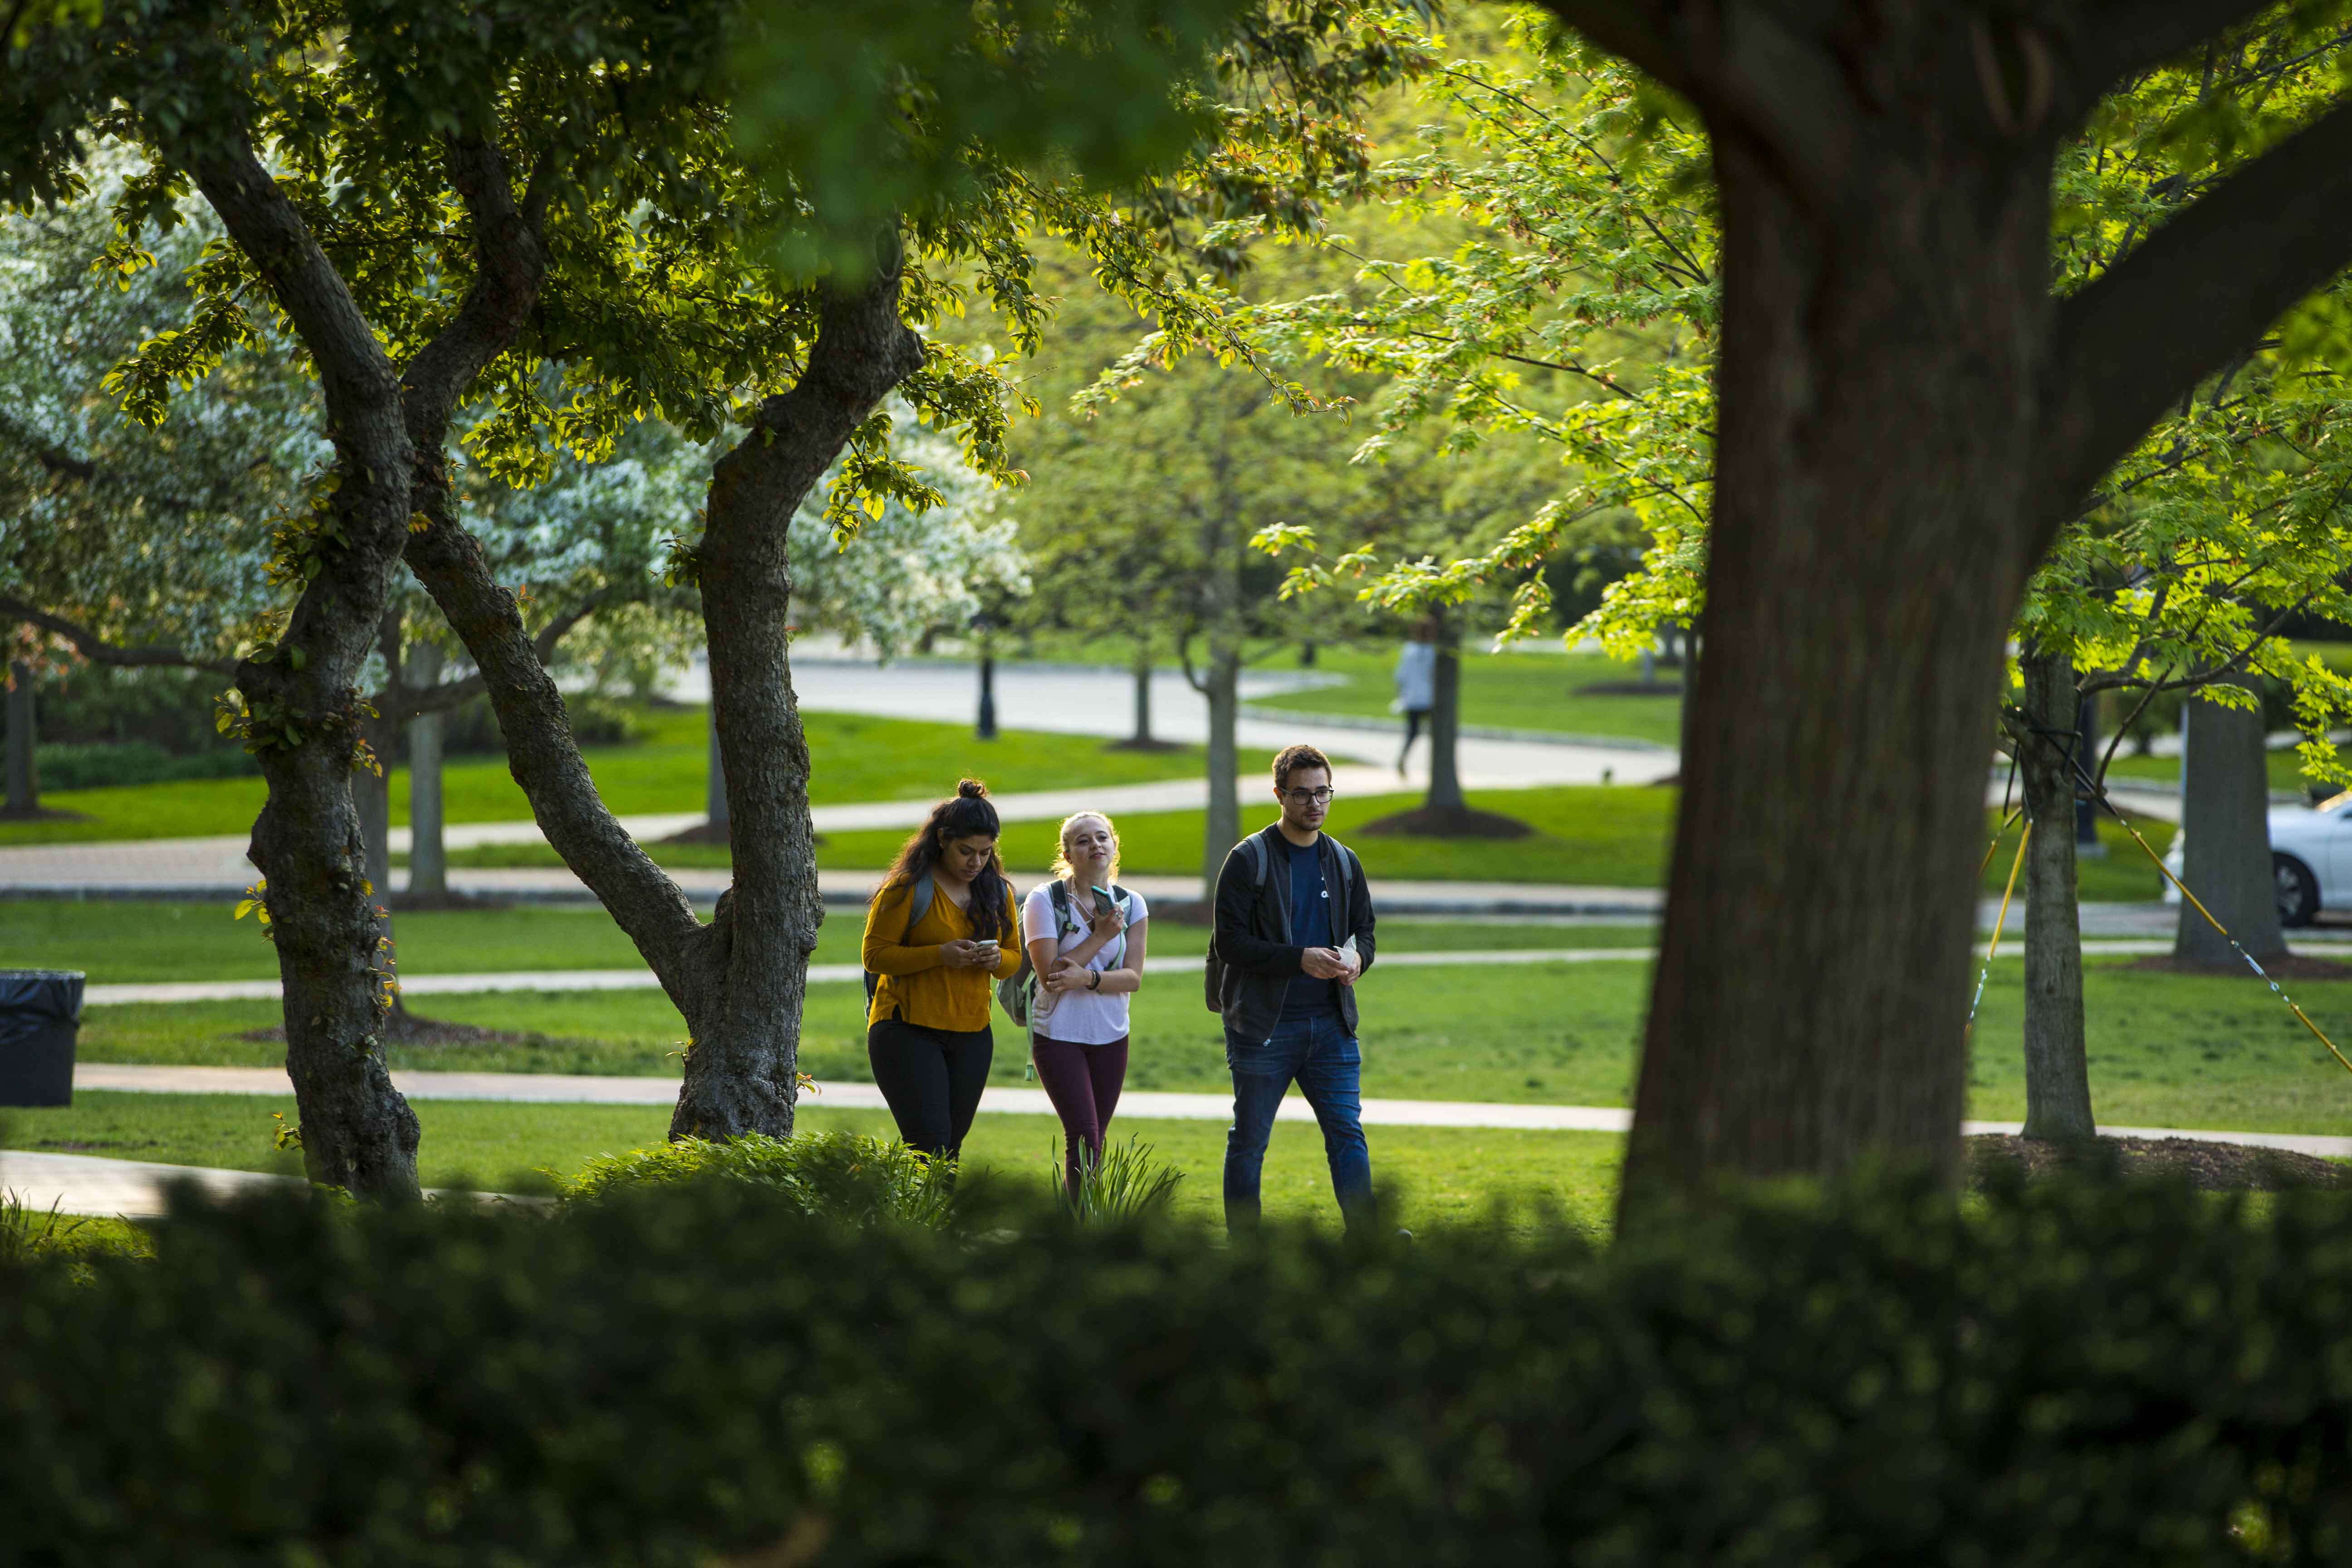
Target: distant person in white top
1085, 938
1416, 686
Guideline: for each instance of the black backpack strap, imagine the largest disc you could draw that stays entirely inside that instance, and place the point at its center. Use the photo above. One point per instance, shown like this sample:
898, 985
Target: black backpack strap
1058, 895
919, 904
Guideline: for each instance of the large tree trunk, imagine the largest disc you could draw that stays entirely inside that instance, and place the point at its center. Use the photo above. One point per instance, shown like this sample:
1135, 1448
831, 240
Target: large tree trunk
2225, 819
428, 853
24, 775
2057, 1064
1877, 388
305, 725
1445, 721
742, 1071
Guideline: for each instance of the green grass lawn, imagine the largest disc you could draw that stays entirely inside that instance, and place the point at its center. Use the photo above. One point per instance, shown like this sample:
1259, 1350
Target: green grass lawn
1587, 834
1535, 687
851, 758
1612, 836
2285, 769
2123, 875
1438, 1174
131, 941
2166, 1050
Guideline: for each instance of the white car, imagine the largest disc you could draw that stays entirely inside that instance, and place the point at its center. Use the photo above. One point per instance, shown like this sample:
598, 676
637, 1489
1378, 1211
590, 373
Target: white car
2311, 853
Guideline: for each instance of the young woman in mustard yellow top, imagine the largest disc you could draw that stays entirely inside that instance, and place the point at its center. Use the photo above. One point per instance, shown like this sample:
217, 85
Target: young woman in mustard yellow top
927, 1034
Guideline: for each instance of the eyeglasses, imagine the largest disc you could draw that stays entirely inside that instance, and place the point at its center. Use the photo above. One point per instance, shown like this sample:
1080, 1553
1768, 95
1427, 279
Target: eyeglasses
1310, 796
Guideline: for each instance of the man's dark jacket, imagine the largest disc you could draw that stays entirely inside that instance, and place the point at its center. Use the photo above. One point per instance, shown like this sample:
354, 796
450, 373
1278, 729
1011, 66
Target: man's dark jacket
1253, 931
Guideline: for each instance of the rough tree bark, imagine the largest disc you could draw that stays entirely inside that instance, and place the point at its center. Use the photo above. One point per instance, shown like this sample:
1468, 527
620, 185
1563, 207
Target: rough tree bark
2057, 1064
742, 1073
2225, 821
1878, 363
358, 1133
24, 775
1905, 416
739, 981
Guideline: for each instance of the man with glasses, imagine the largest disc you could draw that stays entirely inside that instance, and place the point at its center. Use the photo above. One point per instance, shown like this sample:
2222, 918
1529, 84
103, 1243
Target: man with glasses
1294, 931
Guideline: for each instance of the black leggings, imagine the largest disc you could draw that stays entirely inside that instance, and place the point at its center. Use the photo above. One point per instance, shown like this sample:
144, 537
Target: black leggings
931, 1079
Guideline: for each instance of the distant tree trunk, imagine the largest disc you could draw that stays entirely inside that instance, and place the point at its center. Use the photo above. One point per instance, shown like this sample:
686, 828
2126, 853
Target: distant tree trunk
2225, 818
2088, 844
715, 795
428, 855
1142, 740
23, 773
742, 1071
1446, 719
2057, 1067
358, 1132
1222, 690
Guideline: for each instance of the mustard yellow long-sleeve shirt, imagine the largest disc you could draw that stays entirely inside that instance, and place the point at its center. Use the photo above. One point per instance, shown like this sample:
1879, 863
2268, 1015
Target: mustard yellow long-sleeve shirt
915, 985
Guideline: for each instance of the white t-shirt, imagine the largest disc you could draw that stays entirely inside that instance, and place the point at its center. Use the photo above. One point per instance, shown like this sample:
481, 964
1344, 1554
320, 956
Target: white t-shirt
1080, 1017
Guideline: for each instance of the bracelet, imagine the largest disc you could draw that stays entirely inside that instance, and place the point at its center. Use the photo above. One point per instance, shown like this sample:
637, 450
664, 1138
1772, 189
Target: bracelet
1096, 983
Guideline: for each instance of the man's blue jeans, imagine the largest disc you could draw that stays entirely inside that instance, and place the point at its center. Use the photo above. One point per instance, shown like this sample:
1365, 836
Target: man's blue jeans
1322, 1056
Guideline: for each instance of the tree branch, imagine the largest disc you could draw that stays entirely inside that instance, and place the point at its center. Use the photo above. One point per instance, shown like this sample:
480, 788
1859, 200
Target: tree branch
509, 264
97, 651
2195, 293
542, 754
2120, 39
354, 373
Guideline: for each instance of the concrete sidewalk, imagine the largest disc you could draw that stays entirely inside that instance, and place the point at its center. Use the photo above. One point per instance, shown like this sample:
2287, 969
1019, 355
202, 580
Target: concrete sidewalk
1150, 1105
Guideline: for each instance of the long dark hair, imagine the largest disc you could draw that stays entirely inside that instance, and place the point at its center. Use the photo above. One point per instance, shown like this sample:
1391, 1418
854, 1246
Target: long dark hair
964, 814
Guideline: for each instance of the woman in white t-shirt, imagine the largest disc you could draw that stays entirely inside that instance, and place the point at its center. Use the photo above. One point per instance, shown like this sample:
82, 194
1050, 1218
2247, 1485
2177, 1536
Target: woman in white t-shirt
1086, 946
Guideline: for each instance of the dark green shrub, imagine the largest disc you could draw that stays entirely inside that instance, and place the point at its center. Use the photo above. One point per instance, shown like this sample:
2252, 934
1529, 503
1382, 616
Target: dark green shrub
843, 1176
98, 766
698, 1373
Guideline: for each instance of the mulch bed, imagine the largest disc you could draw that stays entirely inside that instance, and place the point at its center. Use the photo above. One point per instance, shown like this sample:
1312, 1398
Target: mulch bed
2283, 966
2208, 1167
1433, 822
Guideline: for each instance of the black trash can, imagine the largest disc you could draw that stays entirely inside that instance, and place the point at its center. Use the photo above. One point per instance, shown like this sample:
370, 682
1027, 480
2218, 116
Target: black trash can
40, 1010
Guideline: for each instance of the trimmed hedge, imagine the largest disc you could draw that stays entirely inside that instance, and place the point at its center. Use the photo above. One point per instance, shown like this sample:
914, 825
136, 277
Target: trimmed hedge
699, 1373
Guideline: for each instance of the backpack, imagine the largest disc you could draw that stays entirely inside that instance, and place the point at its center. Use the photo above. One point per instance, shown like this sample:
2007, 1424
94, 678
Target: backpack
1017, 994
1213, 972
919, 904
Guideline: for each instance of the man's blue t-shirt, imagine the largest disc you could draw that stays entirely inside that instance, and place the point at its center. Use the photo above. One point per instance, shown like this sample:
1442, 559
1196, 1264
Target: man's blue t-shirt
1311, 926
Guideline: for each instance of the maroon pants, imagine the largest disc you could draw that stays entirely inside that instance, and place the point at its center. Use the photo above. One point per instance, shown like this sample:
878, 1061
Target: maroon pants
1083, 1082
